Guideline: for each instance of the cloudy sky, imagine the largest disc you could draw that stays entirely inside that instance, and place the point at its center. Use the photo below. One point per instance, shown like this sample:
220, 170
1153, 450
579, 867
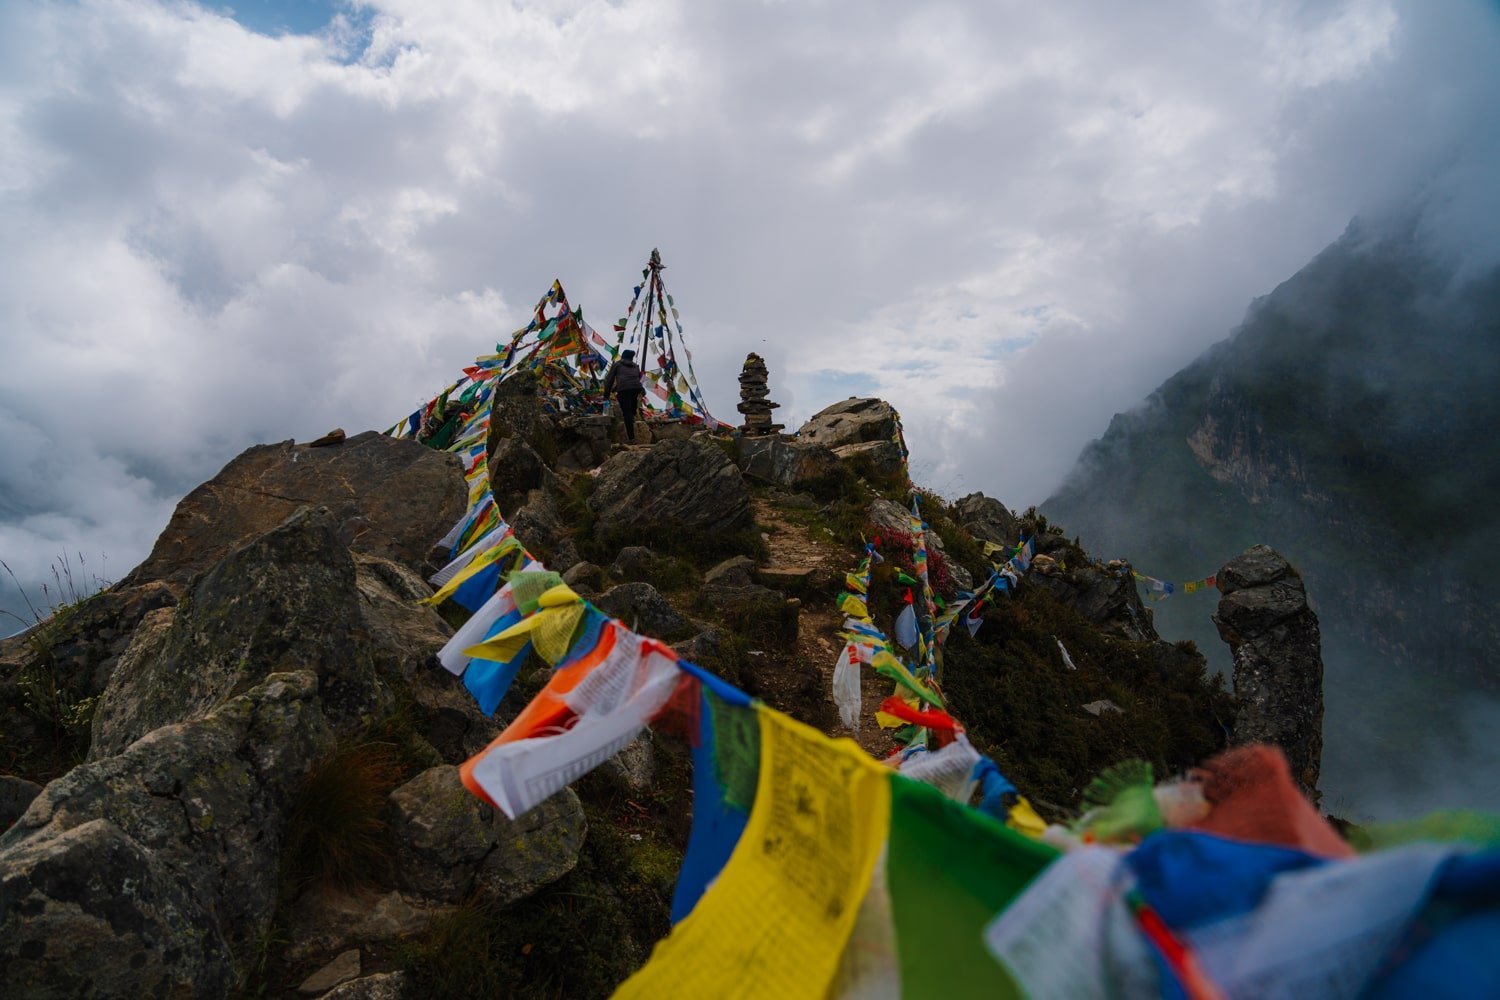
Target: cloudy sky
234, 223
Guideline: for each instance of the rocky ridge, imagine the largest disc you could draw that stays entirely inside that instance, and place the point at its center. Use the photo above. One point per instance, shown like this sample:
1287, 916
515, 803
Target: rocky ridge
269, 798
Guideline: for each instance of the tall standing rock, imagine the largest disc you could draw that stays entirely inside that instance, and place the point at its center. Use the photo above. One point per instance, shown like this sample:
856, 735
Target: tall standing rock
1278, 663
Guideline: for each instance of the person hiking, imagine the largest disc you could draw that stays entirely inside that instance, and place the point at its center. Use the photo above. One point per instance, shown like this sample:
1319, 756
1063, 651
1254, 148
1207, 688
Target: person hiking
624, 380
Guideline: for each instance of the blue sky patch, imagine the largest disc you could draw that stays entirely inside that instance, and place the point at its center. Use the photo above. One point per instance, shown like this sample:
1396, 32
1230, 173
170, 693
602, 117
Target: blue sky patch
277, 17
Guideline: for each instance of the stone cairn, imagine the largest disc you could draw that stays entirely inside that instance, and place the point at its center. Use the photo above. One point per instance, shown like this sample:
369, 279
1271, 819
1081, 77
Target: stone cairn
753, 402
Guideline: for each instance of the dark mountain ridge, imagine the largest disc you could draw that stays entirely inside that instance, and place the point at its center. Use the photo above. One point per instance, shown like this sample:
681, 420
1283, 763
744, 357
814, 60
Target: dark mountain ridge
1349, 422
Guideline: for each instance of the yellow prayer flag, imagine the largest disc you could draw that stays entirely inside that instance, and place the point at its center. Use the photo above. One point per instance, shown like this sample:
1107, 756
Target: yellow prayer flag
1023, 819
549, 630
855, 607
776, 920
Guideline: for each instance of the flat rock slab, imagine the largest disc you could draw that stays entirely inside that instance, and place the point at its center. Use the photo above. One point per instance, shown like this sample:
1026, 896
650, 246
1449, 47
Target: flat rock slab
342, 969
784, 577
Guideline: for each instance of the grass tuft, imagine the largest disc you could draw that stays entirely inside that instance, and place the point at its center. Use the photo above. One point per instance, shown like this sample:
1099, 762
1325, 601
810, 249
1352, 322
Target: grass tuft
336, 833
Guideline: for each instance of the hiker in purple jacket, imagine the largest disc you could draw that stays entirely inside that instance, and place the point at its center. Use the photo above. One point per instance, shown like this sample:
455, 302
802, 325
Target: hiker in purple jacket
624, 381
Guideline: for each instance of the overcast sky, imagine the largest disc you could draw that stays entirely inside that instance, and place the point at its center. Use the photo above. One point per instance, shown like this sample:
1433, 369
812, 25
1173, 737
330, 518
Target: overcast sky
231, 224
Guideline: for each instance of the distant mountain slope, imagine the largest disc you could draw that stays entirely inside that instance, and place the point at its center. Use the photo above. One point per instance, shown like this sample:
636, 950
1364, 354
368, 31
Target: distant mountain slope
1351, 423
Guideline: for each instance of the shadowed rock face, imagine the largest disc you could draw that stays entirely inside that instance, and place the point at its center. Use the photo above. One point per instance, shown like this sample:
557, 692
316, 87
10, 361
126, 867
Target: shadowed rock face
1107, 599
683, 485
1278, 664
389, 498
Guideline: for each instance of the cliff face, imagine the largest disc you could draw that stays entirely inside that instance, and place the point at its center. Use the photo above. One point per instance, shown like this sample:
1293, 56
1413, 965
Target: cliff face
1348, 423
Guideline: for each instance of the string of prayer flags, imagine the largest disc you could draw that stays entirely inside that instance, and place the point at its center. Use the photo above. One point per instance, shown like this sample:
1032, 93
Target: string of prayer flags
927, 639
1160, 590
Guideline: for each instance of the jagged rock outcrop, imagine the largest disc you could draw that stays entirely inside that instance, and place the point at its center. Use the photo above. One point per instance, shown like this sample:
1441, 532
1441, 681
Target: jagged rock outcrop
783, 462
1278, 665
386, 497
852, 421
286, 601
678, 486
449, 844
583, 440
1108, 599
80, 647
987, 519
72, 656
388, 602
882, 458
540, 522
153, 872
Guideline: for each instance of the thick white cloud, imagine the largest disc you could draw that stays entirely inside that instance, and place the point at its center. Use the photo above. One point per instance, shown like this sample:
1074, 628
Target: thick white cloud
1012, 221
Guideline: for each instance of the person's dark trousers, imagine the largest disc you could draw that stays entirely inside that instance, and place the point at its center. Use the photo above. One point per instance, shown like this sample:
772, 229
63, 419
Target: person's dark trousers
629, 400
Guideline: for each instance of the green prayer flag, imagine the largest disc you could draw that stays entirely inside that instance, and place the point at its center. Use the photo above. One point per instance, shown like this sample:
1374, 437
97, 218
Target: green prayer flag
951, 869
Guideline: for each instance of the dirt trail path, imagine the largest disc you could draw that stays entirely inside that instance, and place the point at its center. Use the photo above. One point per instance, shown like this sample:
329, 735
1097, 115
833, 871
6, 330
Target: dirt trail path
793, 546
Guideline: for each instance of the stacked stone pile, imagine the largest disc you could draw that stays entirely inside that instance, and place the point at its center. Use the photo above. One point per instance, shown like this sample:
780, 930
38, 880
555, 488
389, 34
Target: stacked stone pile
753, 402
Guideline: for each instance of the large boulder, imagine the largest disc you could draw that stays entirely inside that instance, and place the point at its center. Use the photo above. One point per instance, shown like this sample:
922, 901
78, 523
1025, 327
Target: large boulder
785, 462
852, 421
286, 601
640, 606
154, 872
387, 497
92, 913
674, 486
1278, 664
450, 845
987, 519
